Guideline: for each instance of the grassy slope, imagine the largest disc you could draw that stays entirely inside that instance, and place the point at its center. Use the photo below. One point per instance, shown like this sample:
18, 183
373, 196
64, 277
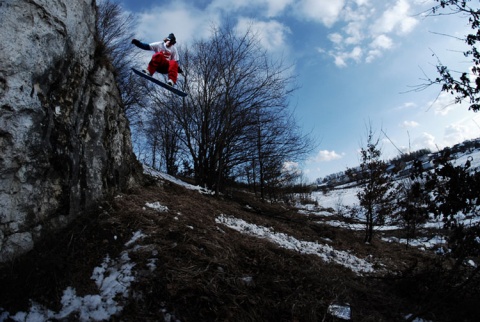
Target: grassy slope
203, 269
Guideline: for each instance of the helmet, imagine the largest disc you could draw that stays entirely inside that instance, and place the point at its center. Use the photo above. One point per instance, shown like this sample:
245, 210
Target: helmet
172, 38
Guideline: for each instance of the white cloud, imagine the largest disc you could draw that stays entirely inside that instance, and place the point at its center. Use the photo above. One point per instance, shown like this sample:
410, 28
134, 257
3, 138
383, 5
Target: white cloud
362, 2
157, 23
354, 32
395, 19
372, 55
367, 27
464, 129
424, 141
272, 34
356, 19
455, 133
231, 5
405, 106
323, 11
275, 7
341, 58
268, 8
336, 38
325, 155
340, 61
378, 45
409, 124
292, 167
320, 50
382, 42
445, 104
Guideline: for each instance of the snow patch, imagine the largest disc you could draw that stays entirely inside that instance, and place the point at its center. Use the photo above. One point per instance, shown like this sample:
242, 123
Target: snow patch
340, 311
157, 206
164, 176
113, 279
325, 252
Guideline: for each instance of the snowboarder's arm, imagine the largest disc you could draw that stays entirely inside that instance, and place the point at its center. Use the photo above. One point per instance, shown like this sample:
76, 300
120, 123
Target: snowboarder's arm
141, 45
174, 54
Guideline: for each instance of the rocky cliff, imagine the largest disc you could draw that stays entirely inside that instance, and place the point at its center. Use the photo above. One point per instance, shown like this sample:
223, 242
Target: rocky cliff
64, 138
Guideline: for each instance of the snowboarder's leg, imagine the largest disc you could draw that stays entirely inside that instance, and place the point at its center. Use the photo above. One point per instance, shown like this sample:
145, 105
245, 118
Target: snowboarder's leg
173, 71
158, 63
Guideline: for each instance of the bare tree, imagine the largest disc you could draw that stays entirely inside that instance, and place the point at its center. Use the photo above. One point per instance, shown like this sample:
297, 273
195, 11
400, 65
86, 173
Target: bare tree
162, 134
277, 140
114, 33
233, 89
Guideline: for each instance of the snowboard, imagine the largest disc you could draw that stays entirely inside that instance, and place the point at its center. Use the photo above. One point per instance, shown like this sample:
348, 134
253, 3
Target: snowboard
162, 84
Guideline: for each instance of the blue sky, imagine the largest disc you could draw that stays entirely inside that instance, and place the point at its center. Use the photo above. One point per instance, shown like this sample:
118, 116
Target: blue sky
357, 62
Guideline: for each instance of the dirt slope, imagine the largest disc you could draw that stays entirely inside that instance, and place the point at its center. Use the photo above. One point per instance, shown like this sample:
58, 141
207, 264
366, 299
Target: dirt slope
190, 268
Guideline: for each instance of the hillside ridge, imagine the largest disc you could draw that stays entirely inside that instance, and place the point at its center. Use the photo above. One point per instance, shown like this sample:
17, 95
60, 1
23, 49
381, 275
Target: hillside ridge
402, 165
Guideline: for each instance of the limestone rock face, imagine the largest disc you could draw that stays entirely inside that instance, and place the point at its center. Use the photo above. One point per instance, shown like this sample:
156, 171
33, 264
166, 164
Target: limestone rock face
64, 139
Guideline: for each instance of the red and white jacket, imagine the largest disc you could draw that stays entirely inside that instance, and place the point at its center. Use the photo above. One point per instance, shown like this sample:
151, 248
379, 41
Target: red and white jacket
169, 53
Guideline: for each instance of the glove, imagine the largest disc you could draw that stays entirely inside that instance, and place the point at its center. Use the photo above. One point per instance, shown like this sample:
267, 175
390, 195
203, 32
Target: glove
141, 45
180, 70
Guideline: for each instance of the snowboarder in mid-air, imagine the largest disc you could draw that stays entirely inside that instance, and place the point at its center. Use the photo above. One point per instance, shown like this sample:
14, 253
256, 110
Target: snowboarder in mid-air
165, 59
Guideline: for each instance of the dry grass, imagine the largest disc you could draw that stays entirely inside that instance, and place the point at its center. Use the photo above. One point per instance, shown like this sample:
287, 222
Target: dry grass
208, 272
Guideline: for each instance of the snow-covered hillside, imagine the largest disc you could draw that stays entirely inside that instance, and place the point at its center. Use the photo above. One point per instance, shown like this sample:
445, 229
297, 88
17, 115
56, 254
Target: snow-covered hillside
401, 166
340, 200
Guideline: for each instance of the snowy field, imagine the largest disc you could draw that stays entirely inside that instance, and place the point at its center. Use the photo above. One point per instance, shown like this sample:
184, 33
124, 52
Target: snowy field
340, 199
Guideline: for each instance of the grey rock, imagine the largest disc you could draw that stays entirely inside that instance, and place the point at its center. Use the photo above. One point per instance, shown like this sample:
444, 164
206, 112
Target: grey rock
64, 138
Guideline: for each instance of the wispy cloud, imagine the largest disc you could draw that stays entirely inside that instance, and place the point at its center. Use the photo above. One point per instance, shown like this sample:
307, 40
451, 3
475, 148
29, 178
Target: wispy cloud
325, 156
465, 129
364, 29
263, 8
326, 12
406, 106
396, 19
342, 58
456, 133
409, 124
272, 34
378, 45
445, 103
424, 141
369, 29
159, 21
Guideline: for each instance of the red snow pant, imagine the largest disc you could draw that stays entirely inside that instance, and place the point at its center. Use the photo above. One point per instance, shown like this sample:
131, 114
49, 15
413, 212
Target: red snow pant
160, 64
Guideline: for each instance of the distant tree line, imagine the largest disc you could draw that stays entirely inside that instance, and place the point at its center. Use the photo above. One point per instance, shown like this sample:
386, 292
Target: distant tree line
400, 166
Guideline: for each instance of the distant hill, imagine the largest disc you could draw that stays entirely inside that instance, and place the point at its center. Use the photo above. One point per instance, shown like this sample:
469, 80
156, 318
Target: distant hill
401, 166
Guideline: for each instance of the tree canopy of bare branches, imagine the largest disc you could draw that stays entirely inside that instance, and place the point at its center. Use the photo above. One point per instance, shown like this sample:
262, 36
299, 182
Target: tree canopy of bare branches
114, 33
236, 113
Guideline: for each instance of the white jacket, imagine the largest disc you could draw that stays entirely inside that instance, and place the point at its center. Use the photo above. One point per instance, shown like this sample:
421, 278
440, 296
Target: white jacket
169, 53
